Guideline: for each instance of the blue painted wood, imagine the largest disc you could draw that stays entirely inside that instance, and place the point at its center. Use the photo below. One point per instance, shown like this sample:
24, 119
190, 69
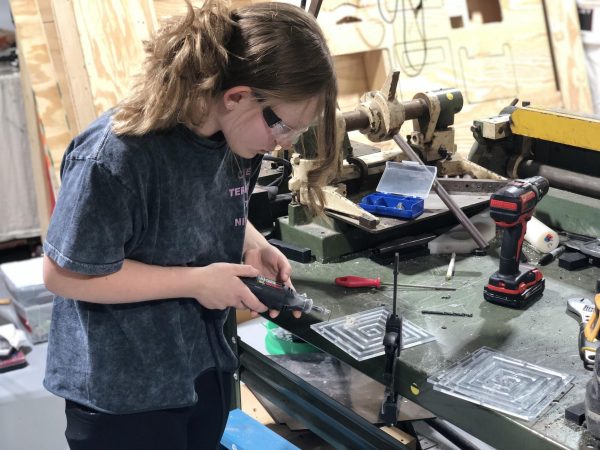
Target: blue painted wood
242, 432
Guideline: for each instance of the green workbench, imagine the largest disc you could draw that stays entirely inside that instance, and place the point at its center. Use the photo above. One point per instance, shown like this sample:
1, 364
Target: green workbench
543, 334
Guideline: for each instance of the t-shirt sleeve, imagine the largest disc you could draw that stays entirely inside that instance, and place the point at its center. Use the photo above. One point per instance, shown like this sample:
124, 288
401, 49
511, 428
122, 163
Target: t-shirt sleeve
93, 220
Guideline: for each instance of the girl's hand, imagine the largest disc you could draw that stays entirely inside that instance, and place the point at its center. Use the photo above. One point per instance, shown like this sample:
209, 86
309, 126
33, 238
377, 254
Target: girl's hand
218, 286
273, 264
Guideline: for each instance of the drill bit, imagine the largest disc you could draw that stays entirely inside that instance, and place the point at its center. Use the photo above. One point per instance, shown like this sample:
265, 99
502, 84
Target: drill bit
447, 313
310, 306
321, 310
421, 286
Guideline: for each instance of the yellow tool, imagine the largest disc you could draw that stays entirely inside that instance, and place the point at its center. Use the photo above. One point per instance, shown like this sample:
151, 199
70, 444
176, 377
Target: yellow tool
583, 308
525, 141
592, 389
592, 327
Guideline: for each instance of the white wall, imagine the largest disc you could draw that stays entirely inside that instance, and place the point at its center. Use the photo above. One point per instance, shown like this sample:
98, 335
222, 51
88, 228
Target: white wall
5, 19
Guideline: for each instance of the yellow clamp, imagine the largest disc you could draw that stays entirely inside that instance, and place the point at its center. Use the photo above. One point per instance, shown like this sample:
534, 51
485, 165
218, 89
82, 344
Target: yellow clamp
593, 326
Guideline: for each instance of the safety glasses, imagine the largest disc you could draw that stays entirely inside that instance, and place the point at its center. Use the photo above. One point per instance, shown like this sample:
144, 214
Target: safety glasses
279, 129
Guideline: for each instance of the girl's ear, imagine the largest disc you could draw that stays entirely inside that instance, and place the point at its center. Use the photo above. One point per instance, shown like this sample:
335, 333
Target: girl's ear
235, 95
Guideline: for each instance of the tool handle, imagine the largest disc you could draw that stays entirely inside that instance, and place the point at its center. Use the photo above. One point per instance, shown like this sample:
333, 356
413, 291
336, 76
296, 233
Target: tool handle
510, 251
593, 325
275, 295
351, 281
271, 293
552, 255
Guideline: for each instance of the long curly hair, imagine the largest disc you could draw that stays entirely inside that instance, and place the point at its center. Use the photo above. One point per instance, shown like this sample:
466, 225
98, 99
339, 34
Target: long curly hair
275, 48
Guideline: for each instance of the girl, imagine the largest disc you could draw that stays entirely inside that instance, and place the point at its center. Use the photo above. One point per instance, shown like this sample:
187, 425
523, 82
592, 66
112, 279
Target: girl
150, 234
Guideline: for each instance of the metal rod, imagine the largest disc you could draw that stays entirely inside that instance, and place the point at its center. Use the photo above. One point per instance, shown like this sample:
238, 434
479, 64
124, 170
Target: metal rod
396, 264
449, 433
562, 179
446, 313
441, 192
356, 120
359, 120
450, 271
413, 109
315, 7
422, 286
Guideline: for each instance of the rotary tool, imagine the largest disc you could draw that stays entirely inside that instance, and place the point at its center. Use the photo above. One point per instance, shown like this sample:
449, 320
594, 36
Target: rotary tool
280, 297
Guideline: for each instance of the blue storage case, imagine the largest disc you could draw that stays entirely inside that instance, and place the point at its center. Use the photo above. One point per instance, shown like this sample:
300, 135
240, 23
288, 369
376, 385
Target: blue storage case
402, 190
393, 205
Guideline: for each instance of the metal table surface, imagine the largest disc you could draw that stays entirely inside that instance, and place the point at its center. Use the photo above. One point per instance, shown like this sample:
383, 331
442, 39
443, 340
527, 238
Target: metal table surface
543, 334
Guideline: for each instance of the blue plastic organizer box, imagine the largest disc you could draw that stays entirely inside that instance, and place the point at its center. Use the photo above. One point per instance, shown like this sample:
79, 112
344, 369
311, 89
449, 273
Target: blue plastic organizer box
401, 191
393, 205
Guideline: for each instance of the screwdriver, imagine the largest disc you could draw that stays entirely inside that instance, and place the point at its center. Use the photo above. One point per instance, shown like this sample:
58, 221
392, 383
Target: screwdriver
280, 297
351, 281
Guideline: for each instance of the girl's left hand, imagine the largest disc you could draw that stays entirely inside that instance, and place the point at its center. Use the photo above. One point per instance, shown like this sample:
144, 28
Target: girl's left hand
273, 264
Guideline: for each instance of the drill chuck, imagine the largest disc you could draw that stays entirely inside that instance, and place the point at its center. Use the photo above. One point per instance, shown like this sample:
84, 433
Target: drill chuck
540, 186
516, 201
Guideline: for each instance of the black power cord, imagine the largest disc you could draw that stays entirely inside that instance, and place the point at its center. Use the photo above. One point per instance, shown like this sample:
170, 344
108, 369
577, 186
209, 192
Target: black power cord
415, 69
394, 12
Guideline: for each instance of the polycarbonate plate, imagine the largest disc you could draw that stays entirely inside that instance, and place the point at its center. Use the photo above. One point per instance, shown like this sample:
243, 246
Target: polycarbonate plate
504, 384
361, 334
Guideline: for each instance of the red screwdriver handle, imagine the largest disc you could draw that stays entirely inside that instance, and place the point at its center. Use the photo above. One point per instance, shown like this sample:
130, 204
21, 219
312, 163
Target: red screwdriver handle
352, 281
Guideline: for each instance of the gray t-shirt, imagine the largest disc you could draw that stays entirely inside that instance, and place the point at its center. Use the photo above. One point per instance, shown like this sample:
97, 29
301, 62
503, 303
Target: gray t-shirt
167, 199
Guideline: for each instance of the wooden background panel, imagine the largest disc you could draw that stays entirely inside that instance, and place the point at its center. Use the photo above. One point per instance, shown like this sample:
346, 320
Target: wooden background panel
167, 8
54, 47
111, 33
489, 77
437, 69
490, 63
78, 91
59, 72
34, 51
367, 34
352, 79
45, 9
569, 55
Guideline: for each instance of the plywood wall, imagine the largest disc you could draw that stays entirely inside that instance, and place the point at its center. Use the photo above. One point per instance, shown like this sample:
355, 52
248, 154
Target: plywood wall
55, 49
102, 42
168, 8
35, 56
569, 56
111, 33
496, 55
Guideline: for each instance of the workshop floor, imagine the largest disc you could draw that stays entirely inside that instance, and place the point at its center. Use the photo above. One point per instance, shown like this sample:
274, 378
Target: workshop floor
253, 332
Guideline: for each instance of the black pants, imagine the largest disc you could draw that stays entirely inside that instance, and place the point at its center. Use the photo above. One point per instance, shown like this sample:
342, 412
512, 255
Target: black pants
196, 427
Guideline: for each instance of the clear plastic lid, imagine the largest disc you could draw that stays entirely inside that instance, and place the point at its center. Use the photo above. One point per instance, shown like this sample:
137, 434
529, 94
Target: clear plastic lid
407, 178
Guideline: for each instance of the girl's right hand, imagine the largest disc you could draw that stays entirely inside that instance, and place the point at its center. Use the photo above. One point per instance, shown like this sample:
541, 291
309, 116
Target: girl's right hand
218, 286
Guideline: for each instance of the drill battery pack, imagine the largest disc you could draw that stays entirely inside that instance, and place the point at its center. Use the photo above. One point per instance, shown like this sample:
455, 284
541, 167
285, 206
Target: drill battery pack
515, 293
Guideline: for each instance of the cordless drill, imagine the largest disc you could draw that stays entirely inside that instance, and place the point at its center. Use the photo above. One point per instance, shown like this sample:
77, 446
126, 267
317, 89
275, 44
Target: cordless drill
511, 207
